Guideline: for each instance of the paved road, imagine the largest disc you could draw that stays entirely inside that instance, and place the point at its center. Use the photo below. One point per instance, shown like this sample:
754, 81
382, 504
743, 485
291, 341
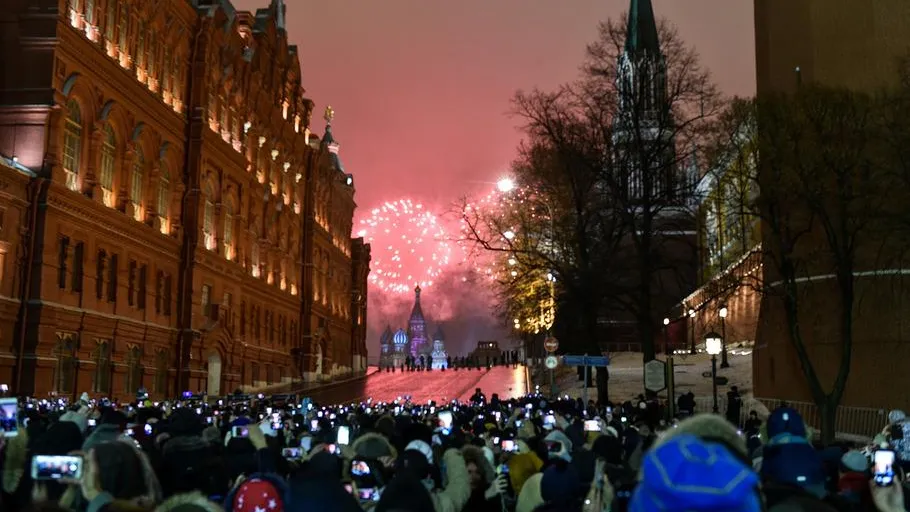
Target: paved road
423, 386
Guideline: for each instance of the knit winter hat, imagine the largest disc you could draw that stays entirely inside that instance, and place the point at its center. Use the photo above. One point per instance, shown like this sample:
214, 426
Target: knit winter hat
686, 473
854, 462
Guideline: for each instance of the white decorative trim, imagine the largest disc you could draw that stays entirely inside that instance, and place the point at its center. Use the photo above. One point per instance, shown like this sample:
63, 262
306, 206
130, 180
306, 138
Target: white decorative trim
888, 272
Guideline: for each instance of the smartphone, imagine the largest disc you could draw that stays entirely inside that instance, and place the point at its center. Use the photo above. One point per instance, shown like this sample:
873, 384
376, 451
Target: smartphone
9, 417
592, 426
130, 432
349, 488
55, 467
306, 444
240, 431
314, 425
360, 468
148, 429
549, 420
445, 419
368, 494
883, 467
509, 445
344, 435
92, 422
503, 469
291, 453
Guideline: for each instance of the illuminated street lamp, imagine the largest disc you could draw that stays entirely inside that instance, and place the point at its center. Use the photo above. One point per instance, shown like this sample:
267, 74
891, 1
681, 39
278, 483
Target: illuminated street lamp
505, 185
723, 337
713, 345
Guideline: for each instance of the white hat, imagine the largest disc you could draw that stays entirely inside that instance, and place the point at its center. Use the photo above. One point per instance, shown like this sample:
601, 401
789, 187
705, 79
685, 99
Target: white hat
421, 447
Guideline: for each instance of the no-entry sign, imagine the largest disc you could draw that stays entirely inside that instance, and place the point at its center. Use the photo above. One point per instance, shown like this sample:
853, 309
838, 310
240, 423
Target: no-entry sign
551, 344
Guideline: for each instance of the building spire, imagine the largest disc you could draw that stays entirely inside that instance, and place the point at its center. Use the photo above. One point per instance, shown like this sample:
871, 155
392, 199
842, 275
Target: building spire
641, 33
280, 11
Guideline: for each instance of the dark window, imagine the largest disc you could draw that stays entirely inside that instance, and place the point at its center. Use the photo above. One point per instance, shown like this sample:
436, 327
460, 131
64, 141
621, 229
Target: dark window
161, 372
242, 318
103, 367
159, 291
134, 370
112, 280
65, 374
206, 299
143, 277
168, 285
100, 268
62, 256
78, 266
131, 285
255, 372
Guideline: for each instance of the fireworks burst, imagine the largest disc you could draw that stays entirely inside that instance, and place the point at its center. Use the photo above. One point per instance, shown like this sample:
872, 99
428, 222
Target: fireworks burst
410, 246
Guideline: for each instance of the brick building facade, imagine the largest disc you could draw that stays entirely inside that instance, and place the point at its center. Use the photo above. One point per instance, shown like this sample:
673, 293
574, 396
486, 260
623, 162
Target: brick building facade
183, 230
854, 44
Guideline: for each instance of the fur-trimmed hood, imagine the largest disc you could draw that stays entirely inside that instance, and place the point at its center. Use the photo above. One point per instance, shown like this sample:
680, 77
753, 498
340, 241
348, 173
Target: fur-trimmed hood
475, 454
373, 446
188, 501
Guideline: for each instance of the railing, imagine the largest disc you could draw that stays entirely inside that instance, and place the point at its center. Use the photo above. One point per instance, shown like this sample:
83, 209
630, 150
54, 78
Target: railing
852, 423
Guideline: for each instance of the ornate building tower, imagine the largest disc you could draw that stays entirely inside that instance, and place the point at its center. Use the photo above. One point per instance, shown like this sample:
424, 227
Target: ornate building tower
385, 347
417, 327
439, 355
643, 131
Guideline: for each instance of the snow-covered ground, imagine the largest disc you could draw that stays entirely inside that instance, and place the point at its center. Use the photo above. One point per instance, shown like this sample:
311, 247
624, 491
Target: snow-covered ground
627, 376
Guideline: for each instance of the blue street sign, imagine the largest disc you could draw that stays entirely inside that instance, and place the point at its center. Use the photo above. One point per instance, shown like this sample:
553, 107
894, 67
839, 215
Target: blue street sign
586, 360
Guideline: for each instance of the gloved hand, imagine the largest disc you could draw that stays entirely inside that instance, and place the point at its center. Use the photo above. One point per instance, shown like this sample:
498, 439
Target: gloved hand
499, 486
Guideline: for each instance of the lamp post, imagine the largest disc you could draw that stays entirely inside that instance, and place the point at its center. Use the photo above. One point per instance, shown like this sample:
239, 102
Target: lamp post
692, 322
713, 342
723, 337
671, 378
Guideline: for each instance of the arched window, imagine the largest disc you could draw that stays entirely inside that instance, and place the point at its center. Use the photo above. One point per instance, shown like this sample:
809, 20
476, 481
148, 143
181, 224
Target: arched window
122, 31
164, 198
102, 380
134, 370
90, 12
161, 364
108, 161
255, 269
72, 144
208, 219
111, 21
168, 72
227, 235
65, 373
141, 61
137, 183
152, 60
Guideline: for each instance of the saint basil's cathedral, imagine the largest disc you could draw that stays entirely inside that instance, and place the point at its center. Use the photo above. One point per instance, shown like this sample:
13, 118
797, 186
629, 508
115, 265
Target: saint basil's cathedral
412, 345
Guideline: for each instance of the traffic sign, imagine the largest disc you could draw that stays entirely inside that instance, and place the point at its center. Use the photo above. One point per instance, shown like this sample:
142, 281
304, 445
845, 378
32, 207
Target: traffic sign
551, 344
552, 362
586, 360
655, 375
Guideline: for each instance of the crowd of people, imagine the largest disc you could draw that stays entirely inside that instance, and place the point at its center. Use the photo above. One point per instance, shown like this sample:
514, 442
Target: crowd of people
272, 454
472, 362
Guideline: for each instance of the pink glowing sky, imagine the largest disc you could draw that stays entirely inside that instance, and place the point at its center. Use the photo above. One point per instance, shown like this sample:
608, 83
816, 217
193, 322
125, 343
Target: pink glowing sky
421, 88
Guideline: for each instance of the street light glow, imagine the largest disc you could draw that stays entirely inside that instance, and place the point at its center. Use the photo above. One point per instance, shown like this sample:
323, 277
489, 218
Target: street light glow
512, 261
666, 321
509, 234
723, 312
505, 185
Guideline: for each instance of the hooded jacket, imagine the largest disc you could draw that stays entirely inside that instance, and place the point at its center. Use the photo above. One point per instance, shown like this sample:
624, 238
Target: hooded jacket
457, 488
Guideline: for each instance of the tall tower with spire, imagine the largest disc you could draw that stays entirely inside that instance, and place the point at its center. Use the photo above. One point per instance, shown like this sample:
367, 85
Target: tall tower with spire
417, 327
644, 150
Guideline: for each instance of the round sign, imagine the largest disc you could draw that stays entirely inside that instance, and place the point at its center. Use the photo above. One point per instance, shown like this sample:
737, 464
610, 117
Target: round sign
551, 344
552, 362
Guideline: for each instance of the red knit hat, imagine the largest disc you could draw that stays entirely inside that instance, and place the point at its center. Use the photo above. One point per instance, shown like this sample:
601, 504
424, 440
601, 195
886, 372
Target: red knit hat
257, 495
